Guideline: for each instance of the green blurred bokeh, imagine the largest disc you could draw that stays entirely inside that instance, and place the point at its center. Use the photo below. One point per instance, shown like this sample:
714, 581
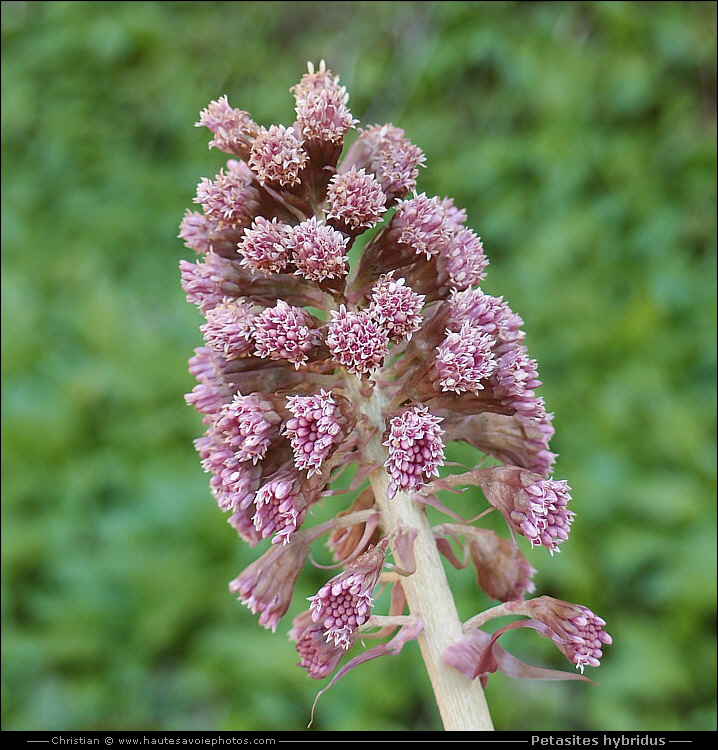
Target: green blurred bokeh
580, 137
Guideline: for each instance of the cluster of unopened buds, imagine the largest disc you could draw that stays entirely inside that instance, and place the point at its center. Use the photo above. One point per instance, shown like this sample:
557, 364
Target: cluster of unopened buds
345, 325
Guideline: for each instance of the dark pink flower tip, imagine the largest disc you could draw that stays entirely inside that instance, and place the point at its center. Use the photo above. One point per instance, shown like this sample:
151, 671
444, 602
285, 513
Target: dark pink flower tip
396, 307
533, 506
229, 199
233, 129
464, 258
315, 429
512, 439
249, 424
323, 115
281, 506
267, 585
464, 359
228, 328
319, 251
211, 279
421, 223
356, 341
265, 246
317, 655
356, 199
284, 332
575, 629
344, 603
277, 156
416, 449
490, 315
392, 157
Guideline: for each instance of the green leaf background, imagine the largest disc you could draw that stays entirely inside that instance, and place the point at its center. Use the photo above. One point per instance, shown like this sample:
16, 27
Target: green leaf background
581, 139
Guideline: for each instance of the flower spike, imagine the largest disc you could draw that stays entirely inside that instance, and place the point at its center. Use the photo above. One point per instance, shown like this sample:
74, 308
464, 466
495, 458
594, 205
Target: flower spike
347, 343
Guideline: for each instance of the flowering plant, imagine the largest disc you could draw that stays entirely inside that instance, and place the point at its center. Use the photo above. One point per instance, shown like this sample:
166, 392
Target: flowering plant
311, 362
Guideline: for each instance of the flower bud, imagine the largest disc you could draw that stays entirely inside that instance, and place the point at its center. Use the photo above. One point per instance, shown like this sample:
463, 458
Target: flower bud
277, 156
533, 506
318, 425
577, 631
344, 603
267, 585
415, 449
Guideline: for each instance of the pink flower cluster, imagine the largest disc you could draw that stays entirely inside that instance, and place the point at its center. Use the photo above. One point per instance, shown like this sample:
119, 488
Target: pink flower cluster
577, 631
316, 428
533, 506
415, 449
309, 359
343, 604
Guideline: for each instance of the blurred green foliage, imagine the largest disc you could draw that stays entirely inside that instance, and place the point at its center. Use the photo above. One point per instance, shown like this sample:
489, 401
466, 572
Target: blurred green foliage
580, 137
